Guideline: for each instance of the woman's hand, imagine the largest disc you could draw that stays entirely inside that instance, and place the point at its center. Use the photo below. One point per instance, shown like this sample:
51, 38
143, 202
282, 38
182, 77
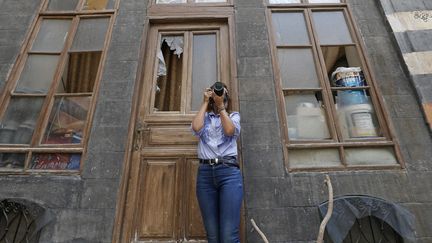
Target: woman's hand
208, 93
219, 100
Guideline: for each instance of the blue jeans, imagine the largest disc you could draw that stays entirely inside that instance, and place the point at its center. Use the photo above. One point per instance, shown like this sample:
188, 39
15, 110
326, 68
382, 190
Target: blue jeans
220, 192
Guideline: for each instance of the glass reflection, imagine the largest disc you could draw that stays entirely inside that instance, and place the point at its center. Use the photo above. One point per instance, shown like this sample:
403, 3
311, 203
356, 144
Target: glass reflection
57, 161
67, 120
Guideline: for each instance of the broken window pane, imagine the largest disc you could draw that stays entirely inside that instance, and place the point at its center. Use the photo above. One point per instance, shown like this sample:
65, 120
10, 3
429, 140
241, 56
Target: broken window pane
331, 28
98, 4
171, 1
55, 161
90, 35
11, 160
306, 116
67, 120
170, 74
370, 156
37, 74
290, 29
17, 125
297, 68
204, 66
52, 35
62, 5
79, 74
312, 158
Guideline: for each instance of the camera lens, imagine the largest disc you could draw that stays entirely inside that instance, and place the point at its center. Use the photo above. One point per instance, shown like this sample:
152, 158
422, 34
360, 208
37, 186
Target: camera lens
218, 88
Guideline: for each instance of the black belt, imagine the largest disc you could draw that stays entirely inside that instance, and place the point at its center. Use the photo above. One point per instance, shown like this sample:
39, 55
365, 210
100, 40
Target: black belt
226, 161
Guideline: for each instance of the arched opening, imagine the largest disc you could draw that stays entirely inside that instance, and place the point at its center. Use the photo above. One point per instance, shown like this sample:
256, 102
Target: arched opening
22, 221
372, 230
366, 219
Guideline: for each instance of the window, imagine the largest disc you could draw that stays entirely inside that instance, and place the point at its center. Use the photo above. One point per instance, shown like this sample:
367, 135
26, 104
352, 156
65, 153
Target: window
187, 62
328, 102
45, 113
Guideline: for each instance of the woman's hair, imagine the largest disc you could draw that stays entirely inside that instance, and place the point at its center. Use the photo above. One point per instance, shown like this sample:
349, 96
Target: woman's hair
226, 99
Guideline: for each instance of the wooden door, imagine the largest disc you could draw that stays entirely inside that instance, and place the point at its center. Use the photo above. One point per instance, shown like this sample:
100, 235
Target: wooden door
181, 60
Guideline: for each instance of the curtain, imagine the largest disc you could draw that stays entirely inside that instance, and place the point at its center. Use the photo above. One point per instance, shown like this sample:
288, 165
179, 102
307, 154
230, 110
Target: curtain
168, 91
82, 71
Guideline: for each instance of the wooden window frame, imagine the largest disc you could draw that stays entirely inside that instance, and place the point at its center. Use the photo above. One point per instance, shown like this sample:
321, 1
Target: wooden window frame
35, 146
388, 138
303, 3
191, 3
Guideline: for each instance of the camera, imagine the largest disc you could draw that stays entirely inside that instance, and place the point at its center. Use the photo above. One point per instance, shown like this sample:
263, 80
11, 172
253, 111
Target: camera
218, 88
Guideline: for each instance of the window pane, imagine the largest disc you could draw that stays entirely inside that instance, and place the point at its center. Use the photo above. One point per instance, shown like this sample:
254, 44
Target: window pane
60, 5
37, 74
170, 1
370, 156
11, 160
169, 74
297, 68
80, 72
18, 123
324, 1
331, 27
67, 120
285, 1
307, 158
204, 69
290, 29
55, 161
52, 35
90, 35
306, 117
338, 57
356, 114
98, 4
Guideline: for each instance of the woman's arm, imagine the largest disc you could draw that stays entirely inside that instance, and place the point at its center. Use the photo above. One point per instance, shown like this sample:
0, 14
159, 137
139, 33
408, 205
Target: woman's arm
198, 121
227, 124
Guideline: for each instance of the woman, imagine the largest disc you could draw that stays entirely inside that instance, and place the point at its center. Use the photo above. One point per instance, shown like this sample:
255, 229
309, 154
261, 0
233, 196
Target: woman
219, 184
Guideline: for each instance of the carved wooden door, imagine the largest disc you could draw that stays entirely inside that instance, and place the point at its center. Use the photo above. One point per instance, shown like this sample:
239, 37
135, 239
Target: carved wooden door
181, 60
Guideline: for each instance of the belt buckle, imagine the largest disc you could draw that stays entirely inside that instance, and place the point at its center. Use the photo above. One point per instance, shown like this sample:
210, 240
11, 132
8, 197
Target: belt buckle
214, 163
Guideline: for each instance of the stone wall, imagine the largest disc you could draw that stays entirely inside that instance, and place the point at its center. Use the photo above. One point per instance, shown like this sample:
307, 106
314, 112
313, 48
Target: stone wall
411, 22
284, 204
84, 206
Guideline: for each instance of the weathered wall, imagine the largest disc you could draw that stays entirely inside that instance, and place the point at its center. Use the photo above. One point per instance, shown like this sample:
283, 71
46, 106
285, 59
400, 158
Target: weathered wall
411, 22
84, 206
285, 205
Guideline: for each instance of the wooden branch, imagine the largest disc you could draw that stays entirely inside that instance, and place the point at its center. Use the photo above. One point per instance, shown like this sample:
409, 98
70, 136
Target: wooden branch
329, 211
259, 231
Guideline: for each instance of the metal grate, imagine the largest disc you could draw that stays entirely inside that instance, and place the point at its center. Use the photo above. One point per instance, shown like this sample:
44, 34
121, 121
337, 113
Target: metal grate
372, 230
21, 222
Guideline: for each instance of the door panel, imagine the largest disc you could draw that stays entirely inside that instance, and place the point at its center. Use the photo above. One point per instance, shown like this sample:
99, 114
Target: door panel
159, 199
195, 228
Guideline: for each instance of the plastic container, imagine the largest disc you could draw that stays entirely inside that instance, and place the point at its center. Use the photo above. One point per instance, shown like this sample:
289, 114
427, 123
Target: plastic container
360, 121
311, 123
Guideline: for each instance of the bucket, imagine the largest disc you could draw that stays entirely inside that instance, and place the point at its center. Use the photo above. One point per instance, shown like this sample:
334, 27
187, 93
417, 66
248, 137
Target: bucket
347, 77
360, 121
